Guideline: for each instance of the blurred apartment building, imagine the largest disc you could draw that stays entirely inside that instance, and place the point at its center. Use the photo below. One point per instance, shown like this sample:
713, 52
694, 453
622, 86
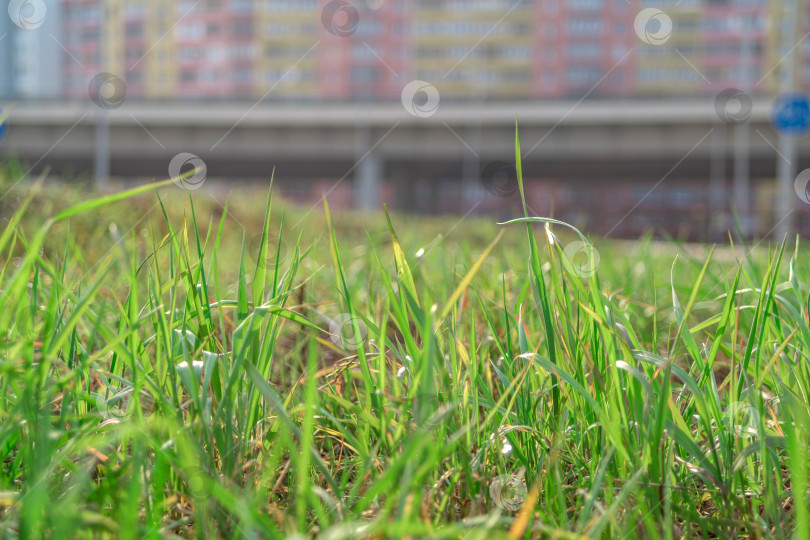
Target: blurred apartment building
470, 50
310, 50
31, 62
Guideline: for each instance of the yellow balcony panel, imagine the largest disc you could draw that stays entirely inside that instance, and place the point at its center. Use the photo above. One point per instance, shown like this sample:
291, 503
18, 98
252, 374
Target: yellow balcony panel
286, 63
673, 61
668, 86
281, 40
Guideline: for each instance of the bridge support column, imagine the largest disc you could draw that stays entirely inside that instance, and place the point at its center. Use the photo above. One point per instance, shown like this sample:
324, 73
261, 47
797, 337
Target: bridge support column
718, 220
424, 190
470, 168
368, 172
742, 180
102, 150
403, 183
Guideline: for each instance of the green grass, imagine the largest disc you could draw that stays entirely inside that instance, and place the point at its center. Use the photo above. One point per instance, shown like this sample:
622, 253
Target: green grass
164, 373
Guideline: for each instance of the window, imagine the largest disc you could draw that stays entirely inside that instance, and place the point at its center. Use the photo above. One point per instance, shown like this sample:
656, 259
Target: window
364, 74
619, 51
290, 5
133, 31
583, 5
516, 53
134, 54
134, 77
208, 76
241, 52
241, 6
215, 53
191, 30
582, 76
580, 26
580, 50
369, 28
189, 53
362, 52
134, 10
242, 75
242, 28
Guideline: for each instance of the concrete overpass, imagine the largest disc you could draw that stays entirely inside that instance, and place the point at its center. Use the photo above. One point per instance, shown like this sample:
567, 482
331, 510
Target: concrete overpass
601, 140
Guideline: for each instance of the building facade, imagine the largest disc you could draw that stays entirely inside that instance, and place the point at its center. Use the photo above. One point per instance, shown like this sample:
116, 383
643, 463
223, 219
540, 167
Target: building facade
6, 82
30, 52
469, 49
369, 49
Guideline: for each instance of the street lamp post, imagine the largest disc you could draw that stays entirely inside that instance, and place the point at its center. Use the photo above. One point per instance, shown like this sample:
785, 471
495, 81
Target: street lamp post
786, 162
102, 146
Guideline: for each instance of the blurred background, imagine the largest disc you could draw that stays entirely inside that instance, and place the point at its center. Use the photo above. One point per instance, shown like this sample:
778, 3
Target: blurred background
683, 118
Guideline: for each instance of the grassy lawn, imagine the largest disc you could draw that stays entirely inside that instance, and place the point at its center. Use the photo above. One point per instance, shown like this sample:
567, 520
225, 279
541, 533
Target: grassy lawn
172, 364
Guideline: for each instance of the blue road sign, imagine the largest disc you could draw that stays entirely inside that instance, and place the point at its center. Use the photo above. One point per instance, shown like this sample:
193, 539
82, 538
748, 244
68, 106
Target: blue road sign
791, 114
3, 125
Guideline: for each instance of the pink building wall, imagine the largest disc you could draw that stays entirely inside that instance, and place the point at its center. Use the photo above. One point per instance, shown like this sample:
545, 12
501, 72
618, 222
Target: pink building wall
578, 48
